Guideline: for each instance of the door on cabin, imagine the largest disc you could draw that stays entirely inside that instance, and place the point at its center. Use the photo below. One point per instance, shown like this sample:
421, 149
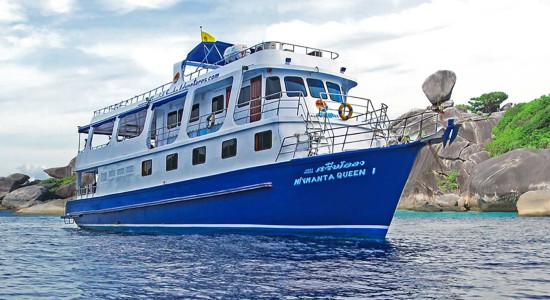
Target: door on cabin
256, 99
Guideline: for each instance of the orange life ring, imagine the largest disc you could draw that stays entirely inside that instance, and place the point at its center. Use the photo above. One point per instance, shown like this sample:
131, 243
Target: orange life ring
320, 104
341, 111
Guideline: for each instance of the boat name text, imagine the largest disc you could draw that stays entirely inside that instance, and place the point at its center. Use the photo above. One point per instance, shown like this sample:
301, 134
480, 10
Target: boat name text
332, 167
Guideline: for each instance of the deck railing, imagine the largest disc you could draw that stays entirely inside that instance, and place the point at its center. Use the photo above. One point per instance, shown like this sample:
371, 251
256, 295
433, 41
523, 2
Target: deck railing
86, 191
373, 133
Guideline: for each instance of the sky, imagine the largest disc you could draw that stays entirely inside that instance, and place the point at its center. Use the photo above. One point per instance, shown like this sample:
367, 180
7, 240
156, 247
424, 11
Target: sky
61, 60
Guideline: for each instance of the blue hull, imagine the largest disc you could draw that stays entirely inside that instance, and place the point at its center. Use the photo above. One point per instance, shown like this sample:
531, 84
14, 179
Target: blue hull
354, 192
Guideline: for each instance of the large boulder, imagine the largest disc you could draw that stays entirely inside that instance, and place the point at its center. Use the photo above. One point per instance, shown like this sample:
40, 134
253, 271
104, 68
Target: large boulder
66, 191
496, 184
439, 86
53, 207
11, 183
61, 172
25, 197
534, 203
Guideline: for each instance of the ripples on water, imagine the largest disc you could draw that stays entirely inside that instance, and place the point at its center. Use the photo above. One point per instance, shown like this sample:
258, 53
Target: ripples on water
424, 256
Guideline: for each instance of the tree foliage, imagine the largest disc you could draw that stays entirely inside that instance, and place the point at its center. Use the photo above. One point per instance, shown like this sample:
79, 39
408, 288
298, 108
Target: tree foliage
488, 103
463, 107
526, 125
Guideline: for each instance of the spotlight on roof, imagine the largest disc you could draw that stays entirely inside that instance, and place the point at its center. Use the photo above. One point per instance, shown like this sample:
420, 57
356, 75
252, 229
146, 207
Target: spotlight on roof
342, 70
287, 60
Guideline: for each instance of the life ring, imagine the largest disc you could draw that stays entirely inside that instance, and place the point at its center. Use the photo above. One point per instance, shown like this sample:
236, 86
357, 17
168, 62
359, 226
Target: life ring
341, 111
210, 120
320, 104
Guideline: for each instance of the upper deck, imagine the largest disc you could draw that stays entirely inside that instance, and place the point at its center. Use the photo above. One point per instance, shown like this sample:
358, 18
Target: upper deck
209, 56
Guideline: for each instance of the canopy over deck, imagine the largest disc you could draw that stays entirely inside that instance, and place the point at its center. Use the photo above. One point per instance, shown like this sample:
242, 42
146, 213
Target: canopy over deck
206, 55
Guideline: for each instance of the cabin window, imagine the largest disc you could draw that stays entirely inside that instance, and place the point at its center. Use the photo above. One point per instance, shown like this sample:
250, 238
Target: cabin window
146, 167
195, 113
171, 161
101, 134
217, 104
334, 91
316, 88
103, 177
295, 86
263, 140
120, 172
174, 118
129, 170
229, 148
244, 97
199, 155
112, 173
272, 88
131, 125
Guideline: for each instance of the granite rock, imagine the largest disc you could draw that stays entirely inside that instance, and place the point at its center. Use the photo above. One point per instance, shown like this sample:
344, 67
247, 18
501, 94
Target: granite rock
534, 203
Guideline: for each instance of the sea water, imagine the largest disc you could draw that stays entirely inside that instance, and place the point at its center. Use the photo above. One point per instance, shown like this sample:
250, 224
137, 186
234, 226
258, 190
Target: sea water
425, 255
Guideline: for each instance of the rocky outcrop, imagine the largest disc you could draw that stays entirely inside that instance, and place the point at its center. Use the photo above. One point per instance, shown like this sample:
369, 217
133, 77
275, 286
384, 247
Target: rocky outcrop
11, 183
534, 203
35, 197
52, 207
61, 172
438, 170
496, 184
25, 197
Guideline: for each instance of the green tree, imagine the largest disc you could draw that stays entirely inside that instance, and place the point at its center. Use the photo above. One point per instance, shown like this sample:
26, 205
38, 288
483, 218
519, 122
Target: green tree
487, 103
463, 107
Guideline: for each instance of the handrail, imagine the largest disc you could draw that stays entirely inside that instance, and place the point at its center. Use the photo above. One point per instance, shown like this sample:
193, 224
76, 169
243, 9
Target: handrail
387, 132
293, 48
132, 100
86, 191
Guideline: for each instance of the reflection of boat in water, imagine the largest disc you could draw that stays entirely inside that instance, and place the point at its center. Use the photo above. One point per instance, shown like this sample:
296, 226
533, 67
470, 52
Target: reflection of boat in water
254, 138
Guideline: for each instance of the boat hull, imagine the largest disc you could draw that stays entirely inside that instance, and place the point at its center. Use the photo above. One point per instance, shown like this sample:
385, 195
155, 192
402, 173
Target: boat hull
353, 192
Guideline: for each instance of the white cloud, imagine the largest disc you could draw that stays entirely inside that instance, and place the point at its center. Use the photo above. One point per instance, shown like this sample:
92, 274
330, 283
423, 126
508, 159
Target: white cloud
11, 12
156, 58
21, 39
126, 6
34, 171
58, 6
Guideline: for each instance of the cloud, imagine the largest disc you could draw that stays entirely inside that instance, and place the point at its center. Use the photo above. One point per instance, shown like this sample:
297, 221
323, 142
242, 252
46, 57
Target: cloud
21, 40
156, 58
33, 171
11, 12
58, 6
125, 6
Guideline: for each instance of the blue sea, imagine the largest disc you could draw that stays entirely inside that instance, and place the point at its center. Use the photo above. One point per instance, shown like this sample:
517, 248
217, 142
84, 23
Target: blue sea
425, 255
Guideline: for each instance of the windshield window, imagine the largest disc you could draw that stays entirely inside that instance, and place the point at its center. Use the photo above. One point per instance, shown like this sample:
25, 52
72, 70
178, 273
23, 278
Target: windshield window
334, 91
295, 84
316, 88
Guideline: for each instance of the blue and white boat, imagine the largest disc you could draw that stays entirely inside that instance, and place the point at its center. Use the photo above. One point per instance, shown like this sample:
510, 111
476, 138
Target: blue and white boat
247, 138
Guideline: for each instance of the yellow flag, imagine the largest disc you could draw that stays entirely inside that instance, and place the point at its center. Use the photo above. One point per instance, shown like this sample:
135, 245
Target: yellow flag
207, 37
